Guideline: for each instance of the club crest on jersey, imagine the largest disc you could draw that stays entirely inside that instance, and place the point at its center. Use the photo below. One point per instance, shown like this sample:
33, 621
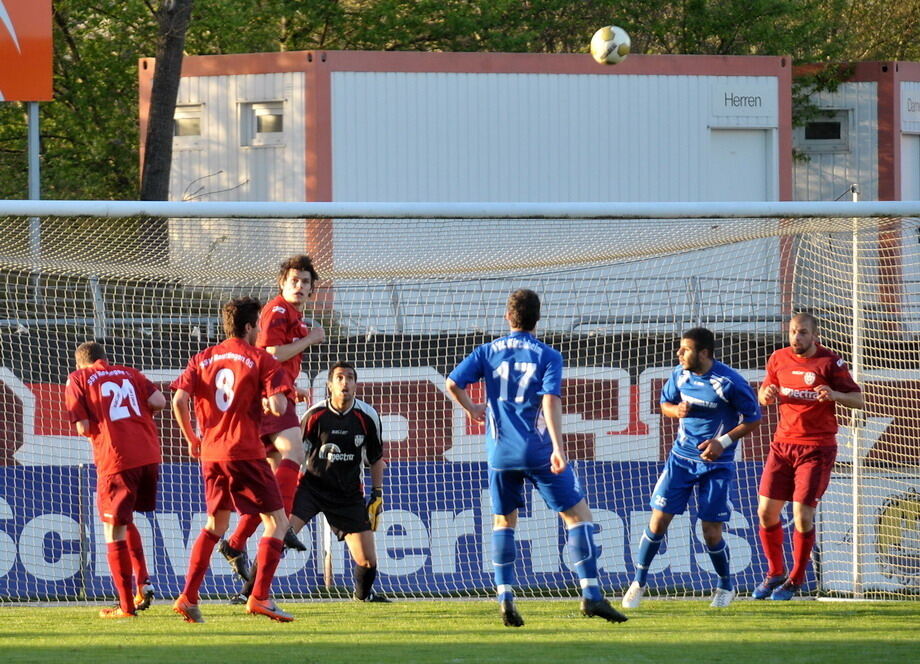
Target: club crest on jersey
278, 310
332, 453
359, 440
809, 378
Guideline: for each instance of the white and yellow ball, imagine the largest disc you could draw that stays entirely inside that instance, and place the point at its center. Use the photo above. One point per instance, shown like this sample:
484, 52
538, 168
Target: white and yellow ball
610, 45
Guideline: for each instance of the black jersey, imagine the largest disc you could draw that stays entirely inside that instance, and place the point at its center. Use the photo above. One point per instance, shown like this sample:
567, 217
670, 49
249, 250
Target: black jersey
338, 446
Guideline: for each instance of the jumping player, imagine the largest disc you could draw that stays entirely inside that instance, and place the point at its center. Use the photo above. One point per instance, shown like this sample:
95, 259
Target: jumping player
284, 334
113, 406
523, 384
228, 382
716, 407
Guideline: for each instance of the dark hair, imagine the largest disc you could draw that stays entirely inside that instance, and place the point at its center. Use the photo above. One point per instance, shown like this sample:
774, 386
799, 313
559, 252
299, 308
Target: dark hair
702, 339
88, 352
237, 313
300, 262
342, 364
807, 317
523, 309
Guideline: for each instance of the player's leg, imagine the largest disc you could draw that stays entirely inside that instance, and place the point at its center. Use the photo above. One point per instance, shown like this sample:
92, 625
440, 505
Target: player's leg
233, 549
364, 553
714, 509
116, 496
146, 502
120, 567
563, 494
776, 488
812, 475
271, 547
506, 489
671, 492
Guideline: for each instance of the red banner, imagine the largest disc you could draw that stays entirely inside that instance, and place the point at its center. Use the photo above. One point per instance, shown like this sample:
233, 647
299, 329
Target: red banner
25, 50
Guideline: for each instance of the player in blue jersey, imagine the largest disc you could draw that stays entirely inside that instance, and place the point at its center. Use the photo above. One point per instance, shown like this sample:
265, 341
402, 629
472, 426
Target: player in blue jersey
523, 411
716, 408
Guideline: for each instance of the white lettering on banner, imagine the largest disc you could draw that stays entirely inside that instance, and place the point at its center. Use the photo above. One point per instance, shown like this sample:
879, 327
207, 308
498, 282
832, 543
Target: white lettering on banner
740, 553
100, 550
402, 543
447, 529
32, 547
177, 544
7, 543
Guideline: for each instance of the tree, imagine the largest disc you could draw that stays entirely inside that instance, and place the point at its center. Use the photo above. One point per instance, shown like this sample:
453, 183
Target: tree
174, 16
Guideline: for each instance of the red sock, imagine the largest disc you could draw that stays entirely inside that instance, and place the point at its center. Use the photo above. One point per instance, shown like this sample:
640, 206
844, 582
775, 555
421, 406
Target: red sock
136, 551
198, 564
269, 556
802, 544
120, 566
288, 475
771, 539
244, 529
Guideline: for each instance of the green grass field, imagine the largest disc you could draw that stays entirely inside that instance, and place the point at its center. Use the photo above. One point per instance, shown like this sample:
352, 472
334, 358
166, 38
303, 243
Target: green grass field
461, 632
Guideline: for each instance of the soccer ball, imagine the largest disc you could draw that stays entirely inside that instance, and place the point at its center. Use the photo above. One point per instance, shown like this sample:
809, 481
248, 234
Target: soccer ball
610, 45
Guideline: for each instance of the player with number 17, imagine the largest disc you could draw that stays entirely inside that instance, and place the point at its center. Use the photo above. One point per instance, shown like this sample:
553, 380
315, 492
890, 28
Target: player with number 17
523, 415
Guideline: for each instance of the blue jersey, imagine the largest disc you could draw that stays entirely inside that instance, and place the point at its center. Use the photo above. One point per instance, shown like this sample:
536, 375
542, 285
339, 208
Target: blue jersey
719, 399
518, 370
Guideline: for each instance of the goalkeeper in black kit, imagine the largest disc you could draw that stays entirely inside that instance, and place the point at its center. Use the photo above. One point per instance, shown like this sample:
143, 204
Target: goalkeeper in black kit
342, 435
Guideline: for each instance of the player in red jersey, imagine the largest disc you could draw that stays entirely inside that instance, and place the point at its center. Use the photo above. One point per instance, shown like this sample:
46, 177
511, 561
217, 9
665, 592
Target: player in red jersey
113, 406
807, 381
283, 333
228, 382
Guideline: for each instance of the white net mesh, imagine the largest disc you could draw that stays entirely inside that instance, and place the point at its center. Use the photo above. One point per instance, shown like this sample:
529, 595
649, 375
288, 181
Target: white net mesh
406, 300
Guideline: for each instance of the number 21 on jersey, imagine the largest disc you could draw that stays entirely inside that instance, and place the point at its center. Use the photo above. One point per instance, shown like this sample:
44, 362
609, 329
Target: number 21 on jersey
124, 399
503, 371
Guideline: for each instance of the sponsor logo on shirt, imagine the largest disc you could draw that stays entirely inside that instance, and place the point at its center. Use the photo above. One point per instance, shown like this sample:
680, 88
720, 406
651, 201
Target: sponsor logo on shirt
333, 453
808, 395
339, 432
278, 310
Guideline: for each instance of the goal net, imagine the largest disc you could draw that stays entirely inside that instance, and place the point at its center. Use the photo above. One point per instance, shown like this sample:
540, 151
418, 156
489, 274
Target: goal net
406, 299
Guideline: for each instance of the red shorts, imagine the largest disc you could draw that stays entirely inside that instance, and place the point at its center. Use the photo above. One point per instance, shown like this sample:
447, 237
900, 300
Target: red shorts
799, 473
249, 487
120, 495
272, 424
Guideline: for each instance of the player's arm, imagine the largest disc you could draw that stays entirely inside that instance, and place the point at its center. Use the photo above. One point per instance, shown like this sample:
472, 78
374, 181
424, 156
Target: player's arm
552, 413
712, 449
156, 401
83, 427
375, 500
181, 407
675, 410
316, 335
475, 411
854, 400
768, 392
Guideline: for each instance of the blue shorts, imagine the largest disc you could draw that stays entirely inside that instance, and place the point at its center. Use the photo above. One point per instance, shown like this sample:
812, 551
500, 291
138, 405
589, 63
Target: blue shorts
672, 492
560, 492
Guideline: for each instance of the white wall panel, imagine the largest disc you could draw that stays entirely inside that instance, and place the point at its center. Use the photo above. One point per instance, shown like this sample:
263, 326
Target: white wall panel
826, 175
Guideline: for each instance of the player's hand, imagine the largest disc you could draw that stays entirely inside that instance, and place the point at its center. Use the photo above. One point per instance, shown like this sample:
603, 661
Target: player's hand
317, 335
477, 413
769, 394
710, 450
266, 408
557, 462
825, 393
683, 409
194, 448
375, 507
301, 395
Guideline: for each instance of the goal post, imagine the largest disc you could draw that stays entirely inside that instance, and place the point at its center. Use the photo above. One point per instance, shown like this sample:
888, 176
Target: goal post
406, 291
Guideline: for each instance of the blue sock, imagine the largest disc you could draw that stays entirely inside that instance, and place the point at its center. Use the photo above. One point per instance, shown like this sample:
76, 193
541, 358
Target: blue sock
584, 555
503, 554
648, 549
720, 560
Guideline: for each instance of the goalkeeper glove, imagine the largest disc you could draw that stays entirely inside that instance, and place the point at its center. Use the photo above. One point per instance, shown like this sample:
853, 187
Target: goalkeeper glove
375, 506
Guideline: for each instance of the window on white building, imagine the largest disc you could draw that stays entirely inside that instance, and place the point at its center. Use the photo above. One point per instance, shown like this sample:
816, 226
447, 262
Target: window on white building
262, 123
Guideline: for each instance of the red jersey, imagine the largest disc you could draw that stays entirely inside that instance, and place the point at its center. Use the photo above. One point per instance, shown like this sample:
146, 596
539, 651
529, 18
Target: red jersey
228, 382
280, 323
803, 420
114, 400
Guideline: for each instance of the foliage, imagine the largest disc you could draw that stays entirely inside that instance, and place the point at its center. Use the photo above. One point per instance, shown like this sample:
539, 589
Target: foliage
90, 132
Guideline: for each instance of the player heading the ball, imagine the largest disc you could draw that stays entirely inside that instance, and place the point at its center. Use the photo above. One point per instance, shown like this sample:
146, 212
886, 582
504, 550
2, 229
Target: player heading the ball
523, 415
